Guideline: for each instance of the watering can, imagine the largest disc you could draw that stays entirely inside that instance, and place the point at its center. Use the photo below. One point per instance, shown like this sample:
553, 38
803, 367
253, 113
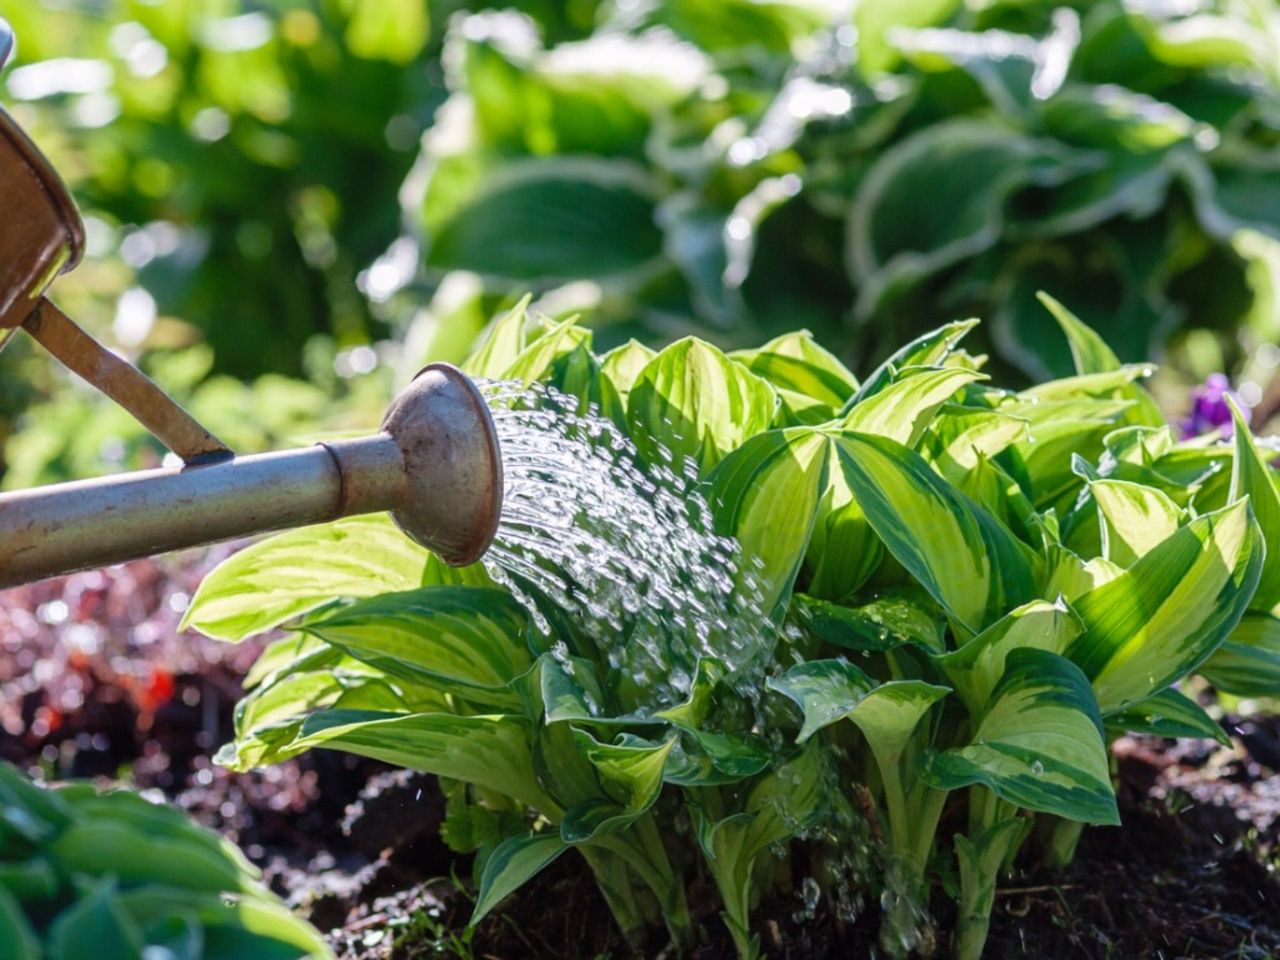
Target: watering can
435, 464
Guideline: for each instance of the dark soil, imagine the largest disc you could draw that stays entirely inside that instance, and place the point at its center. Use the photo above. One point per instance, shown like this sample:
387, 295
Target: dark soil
95, 681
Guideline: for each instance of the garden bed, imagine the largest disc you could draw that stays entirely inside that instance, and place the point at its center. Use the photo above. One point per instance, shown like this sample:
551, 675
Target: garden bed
95, 681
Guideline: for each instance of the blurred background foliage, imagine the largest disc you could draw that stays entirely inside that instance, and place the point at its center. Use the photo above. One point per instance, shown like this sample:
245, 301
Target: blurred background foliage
291, 205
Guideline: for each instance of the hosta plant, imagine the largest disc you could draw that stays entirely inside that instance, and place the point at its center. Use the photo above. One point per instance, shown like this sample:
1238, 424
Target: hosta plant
87, 873
969, 592
750, 167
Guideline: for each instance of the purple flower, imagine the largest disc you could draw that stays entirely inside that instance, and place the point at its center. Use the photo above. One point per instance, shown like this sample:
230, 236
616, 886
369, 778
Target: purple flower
1209, 409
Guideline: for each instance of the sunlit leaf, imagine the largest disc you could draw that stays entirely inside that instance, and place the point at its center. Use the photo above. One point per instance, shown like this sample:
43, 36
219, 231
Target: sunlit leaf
1039, 745
292, 573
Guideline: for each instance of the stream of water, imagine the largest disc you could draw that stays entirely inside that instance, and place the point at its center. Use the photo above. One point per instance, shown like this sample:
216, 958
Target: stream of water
625, 549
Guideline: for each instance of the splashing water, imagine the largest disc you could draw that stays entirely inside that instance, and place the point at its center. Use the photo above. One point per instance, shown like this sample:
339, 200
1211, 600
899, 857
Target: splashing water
620, 552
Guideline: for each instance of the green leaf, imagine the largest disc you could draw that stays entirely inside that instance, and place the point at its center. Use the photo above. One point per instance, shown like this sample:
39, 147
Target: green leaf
693, 401
1252, 477
292, 573
1057, 430
550, 220
17, 939
1040, 744
888, 717
1134, 519
765, 494
181, 935
976, 668
967, 561
95, 926
883, 624
536, 360
824, 690
902, 410
979, 860
928, 350
1248, 663
960, 437
492, 752
504, 340
514, 862
811, 383
392, 30
876, 22
932, 200
233, 928
1161, 618
463, 640
1092, 356
621, 366
1088, 350
1168, 714
781, 805
630, 775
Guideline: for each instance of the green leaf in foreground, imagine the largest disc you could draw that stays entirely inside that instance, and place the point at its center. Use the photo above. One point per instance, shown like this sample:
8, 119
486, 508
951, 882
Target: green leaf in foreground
1166, 614
1040, 745
515, 861
292, 573
1248, 663
971, 564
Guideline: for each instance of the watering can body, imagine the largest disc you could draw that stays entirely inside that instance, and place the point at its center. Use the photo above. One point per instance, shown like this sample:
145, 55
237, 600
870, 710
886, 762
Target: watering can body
435, 465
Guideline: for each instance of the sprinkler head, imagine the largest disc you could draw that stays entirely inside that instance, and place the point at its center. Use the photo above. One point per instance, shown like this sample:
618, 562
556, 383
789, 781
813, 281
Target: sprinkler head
453, 497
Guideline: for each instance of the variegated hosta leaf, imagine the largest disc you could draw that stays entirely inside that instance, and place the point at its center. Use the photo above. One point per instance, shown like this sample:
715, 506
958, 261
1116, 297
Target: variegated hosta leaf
1040, 745
619, 368
979, 860
630, 779
1161, 618
960, 437
535, 361
889, 714
512, 864
1070, 577
831, 690
1057, 429
1089, 351
971, 564
843, 550
824, 690
886, 622
1092, 356
928, 350
249, 926
903, 409
976, 668
506, 338
1252, 477
765, 494
1133, 519
491, 752
292, 573
809, 379
782, 804
1248, 664
463, 640
991, 487
693, 401
1167, 714
1103, 385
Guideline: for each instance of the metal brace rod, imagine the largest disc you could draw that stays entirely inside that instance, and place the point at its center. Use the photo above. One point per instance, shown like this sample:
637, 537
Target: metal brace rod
125, 384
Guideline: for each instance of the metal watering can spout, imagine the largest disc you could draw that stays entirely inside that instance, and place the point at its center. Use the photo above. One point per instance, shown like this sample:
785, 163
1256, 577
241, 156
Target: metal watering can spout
435, 465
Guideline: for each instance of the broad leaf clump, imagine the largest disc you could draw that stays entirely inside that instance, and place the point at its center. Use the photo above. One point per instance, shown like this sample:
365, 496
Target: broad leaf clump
85, 873
759, 166
974, 591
